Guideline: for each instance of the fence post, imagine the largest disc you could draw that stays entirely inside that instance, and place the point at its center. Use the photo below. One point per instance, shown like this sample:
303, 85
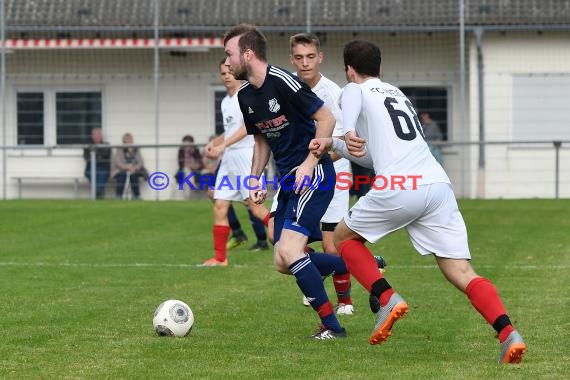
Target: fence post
92, 152
462, 97
3, 97
156, 85
308, 16
557, 145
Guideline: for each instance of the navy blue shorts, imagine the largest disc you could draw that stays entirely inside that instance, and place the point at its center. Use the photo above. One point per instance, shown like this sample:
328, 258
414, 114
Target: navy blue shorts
303, 213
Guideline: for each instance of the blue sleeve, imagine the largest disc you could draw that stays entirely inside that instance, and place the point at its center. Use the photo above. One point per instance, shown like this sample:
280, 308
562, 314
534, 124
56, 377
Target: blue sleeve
249, 127
301, 97
307, 99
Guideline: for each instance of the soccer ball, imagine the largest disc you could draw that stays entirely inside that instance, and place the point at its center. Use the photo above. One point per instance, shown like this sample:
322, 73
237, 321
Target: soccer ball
173, 318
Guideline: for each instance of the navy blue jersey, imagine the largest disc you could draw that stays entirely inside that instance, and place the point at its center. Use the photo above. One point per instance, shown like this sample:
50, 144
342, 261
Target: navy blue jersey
281, 111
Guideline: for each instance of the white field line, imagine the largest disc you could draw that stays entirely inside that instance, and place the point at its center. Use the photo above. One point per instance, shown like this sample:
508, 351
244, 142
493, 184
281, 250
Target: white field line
167, 265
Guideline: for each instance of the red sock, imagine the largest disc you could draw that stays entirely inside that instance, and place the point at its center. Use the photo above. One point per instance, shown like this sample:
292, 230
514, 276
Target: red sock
221, 234
360, 262
266, 219
485, 299
385, 297
504, 334
325, 309
341, 284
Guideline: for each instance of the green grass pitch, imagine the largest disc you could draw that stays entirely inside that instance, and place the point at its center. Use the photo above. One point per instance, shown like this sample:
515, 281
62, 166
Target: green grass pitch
80, 282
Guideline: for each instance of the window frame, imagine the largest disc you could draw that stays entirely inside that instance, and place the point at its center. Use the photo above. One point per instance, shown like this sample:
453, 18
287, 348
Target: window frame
50, 111
215, 109
17, 115
447, 131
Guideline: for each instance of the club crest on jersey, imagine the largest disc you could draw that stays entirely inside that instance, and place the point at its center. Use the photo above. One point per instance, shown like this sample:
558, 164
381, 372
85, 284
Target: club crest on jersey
273, 105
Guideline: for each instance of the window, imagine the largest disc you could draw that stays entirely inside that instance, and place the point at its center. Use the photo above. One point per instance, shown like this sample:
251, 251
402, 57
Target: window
432, 100
30, 118
53, 117
218, 97
77, 113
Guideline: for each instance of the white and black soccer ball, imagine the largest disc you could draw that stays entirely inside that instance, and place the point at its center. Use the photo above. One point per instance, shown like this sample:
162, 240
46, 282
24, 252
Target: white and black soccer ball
173, 318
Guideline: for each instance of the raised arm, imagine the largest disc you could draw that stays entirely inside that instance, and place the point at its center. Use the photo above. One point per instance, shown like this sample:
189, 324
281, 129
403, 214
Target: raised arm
261, 154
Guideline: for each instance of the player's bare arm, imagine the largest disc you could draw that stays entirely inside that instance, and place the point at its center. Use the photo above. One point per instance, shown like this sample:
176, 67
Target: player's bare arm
261, 154
210, 150
354, 144
304, 173
325, 122
318, 146
239, 135
325, 126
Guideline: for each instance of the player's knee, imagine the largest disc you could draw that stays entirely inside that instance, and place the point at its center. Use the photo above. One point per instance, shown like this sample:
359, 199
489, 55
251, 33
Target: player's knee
221, 207
458, 272
280, 264
337, 239
342, 233
330, 247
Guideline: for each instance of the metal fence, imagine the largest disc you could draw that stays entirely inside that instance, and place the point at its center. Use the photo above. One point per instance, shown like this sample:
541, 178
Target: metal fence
517, 170
494, 75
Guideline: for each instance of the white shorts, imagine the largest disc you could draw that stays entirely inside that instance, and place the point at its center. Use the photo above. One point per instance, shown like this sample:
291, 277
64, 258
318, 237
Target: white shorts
235, 166
339, 204
429, 213
274, 202
336, 210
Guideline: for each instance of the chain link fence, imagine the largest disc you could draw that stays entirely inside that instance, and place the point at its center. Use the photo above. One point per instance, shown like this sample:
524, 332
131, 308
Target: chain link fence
494, 75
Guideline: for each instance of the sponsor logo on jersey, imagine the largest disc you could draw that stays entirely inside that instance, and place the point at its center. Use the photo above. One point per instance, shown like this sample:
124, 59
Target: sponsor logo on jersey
278, 123
250, 111
274, 106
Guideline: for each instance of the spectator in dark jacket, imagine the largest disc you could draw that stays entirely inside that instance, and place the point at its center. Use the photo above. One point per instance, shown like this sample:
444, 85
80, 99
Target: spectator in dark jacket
189, 160
102, 162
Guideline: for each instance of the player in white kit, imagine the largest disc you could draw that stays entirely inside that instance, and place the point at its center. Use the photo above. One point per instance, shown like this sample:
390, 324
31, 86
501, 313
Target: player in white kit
237, 149
307, 57
382, 131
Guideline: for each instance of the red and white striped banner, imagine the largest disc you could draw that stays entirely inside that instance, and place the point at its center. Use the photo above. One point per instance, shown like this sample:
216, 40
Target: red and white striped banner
113, 43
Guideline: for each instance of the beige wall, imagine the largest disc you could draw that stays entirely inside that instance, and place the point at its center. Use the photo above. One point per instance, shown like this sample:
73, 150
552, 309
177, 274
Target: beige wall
515, 171
186, 101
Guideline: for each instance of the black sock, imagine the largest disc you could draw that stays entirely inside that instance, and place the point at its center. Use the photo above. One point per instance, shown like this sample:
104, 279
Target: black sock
379, 287
501, 322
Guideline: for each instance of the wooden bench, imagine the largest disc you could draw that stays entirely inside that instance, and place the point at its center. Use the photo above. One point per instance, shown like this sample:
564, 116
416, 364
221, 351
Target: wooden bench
74, 180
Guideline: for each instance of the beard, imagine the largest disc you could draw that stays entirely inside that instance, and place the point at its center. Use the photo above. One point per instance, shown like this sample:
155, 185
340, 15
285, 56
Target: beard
240, 72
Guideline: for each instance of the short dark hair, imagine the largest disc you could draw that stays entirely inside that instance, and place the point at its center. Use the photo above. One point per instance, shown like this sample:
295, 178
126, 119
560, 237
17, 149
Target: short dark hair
249, 38
188, 138
363, 56
222, 62
304, 38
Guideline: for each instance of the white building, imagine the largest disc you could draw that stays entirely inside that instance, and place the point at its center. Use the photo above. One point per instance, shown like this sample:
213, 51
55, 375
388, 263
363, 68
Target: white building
74, 65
